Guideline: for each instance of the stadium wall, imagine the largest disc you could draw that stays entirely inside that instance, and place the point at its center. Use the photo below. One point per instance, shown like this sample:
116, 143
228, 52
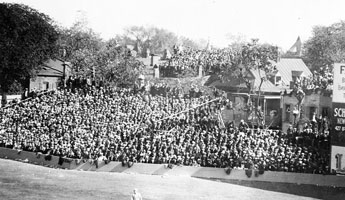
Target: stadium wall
163, 170
31, 157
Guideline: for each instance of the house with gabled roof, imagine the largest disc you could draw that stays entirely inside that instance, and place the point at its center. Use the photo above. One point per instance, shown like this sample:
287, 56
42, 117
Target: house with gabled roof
316, 103
52, 73
289, 71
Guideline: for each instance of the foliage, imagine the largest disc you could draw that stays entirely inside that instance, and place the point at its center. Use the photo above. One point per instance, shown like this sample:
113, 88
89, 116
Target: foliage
261, 58
27, 39
111, 60
326, 46
117, 66
15, 88
249, 57
321, 51
81, 45
201, 44
161, 40
155, 39
125, 73
103, 60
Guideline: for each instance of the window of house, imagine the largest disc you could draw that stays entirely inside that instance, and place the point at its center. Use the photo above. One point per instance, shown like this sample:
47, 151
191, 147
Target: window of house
287, 112
58, 84
45, 85
278, 80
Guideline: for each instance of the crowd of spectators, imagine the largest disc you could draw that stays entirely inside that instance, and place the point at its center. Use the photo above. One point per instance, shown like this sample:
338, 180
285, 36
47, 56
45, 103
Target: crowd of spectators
211, 61
116, 124
163, 89
74, 82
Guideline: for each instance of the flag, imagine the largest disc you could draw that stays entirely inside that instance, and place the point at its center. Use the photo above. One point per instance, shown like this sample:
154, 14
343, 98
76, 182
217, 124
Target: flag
296, 48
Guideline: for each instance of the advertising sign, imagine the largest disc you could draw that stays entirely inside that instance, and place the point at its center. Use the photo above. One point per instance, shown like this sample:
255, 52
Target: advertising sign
339, 83
338, 119
338, 124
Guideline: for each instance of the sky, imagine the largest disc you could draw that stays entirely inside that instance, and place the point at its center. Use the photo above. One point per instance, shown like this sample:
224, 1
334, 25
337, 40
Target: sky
277, 22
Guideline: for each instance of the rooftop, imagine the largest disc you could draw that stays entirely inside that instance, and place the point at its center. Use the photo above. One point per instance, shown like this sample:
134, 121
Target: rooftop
52, 68
288, 67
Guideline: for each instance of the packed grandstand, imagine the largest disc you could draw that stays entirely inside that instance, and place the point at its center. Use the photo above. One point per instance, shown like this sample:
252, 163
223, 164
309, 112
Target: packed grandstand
160, 125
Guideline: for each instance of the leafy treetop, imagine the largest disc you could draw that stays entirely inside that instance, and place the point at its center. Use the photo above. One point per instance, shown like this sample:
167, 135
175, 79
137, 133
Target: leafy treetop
27, 39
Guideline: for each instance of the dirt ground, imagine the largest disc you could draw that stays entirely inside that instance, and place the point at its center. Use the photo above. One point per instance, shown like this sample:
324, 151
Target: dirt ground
25, 181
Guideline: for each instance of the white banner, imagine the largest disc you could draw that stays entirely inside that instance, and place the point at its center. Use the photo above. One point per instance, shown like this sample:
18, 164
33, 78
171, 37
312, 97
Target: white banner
338, 120
339, 83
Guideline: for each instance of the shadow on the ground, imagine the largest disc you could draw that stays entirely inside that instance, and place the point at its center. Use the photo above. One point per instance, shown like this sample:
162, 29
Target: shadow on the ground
314, 191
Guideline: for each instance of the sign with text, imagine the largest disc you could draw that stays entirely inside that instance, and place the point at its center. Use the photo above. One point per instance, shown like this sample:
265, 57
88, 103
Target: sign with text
338, 159
338, 118
339, 83
338, 123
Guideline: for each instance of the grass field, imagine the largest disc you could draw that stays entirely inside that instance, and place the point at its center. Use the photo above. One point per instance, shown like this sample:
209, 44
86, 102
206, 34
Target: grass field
25, 181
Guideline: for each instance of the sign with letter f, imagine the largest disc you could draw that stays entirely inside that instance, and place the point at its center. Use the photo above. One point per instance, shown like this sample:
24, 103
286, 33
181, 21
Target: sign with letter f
337, 133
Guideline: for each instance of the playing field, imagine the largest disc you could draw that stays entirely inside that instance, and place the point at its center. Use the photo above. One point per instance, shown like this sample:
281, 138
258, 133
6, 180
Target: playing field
25, 181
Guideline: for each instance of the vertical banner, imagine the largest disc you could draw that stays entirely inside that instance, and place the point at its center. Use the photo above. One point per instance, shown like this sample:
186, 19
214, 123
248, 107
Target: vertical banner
338, 119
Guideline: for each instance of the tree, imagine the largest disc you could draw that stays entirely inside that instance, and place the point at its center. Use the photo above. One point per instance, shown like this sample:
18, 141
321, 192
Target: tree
326, 46
117, 65
156, 39
102, 60
261, 58
81, 45
27, 39
140, 37
321, 51
200, 44
123, 73
162, 39
236, 40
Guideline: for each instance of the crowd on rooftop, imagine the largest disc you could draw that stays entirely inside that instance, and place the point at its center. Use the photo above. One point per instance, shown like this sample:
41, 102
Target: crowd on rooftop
213, 61
187, 58
117, 124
